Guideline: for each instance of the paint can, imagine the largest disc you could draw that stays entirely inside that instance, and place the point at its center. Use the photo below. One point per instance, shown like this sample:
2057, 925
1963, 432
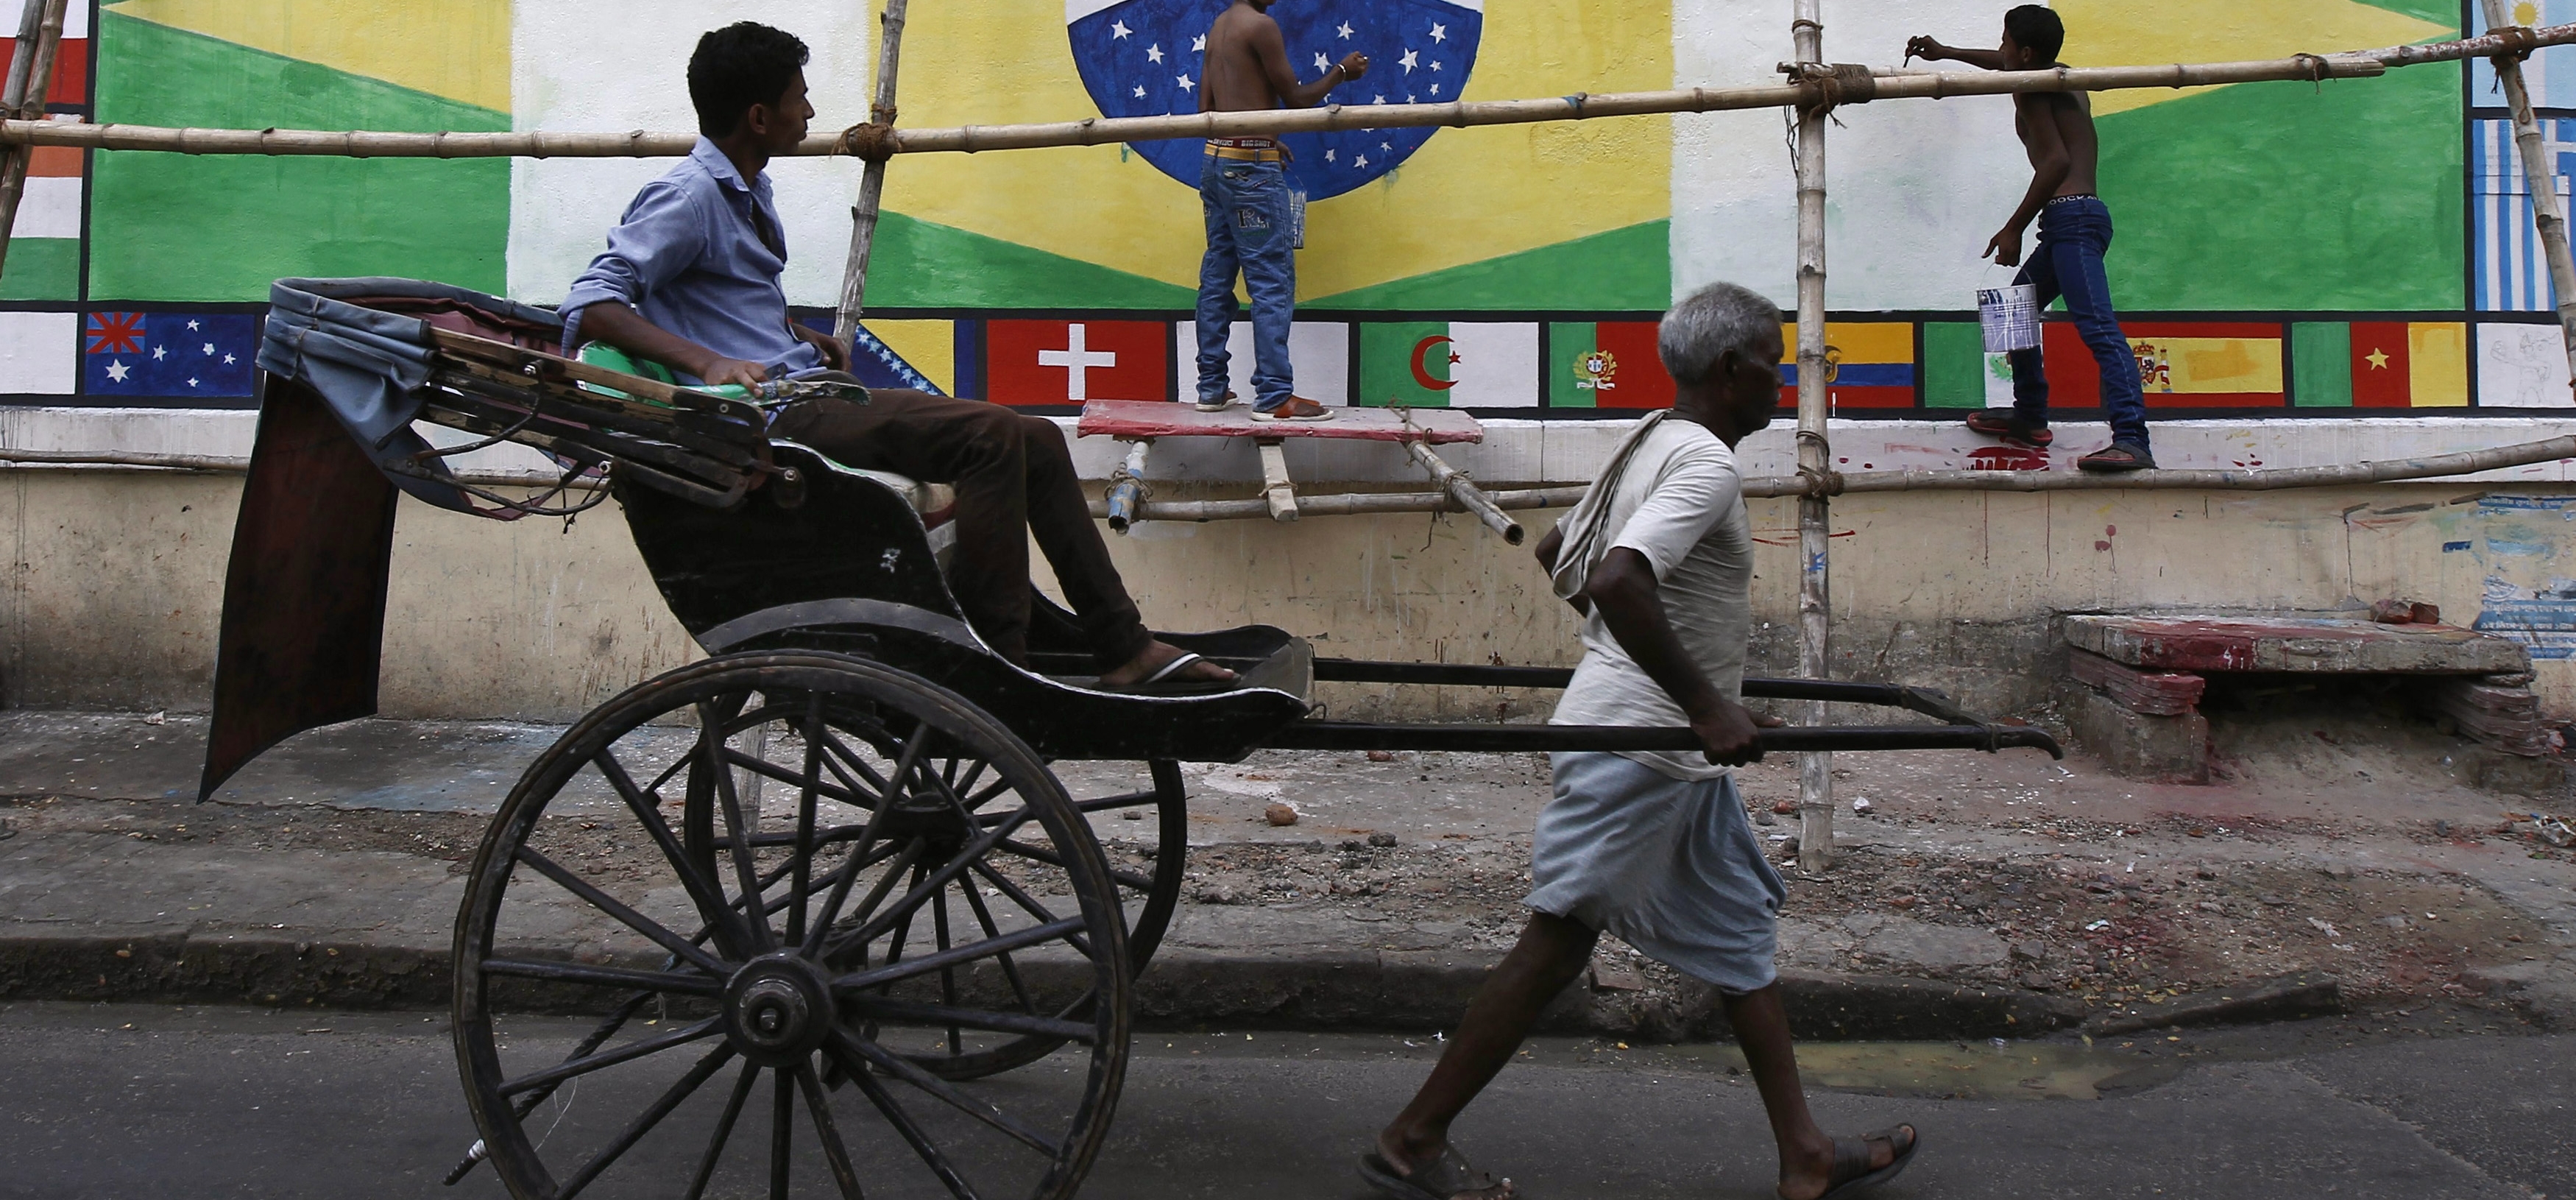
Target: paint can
2009, 316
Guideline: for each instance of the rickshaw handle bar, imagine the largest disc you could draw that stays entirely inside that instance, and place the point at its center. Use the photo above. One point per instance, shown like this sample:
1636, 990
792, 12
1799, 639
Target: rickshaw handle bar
1494, 739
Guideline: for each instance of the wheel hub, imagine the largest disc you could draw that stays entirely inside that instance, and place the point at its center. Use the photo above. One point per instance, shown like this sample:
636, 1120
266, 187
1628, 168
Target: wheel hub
778, 1008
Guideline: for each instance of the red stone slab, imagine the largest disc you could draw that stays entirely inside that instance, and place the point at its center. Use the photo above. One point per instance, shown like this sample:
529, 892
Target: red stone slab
2295, 644
2155, 693
1162, 418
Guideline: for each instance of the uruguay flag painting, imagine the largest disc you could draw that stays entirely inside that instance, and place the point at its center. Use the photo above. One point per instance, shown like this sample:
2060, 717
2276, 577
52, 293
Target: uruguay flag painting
1144, 58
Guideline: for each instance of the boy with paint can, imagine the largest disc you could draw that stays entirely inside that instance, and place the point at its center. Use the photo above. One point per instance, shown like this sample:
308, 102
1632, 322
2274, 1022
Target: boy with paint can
2056, 129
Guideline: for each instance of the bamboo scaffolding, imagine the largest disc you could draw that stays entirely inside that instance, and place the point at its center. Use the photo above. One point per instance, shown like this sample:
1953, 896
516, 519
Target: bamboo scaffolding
1101, 131
863, 215
31, 79
1815, 450
2547, 215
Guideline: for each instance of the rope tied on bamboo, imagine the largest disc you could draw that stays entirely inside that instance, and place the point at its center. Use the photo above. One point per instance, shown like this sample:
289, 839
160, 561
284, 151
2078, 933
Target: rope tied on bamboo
874, 140
1830, 85
2518, 43
2319, 70
1817, 481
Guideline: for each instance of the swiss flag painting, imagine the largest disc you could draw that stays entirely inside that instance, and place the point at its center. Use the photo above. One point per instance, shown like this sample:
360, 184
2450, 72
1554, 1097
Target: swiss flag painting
1071, 362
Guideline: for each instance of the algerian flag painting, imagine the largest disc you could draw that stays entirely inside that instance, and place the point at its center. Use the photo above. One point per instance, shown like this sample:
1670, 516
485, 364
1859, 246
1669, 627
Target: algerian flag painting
1144, 58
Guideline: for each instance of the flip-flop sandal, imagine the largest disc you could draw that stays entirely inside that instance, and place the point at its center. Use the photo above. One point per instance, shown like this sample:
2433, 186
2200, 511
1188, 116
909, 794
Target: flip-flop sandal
1851, 1161
1160, 682
1448, 1177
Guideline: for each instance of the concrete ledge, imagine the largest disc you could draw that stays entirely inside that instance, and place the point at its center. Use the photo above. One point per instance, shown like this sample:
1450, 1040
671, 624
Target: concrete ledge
2172, 749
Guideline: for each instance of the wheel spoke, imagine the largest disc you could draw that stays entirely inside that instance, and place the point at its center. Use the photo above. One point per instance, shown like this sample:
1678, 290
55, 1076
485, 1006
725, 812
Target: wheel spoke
703, 892
782, 1121
867, 905
844, 760
921, 1143
894, 972
724, 1130
797, 888
919, 1013
1028, 903
711, 749
627, 1053
947, 974
617, 977
626, 916
1052, 859
966, 857
770, 770
644, 1122
835, 1152
1126, 800
984, 917
850, 1051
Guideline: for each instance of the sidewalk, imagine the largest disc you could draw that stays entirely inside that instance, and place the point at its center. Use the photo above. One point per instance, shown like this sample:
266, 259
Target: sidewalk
1983, 895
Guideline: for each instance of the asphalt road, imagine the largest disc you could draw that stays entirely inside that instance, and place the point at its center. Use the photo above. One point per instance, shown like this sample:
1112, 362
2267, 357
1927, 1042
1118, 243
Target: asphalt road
134, 1101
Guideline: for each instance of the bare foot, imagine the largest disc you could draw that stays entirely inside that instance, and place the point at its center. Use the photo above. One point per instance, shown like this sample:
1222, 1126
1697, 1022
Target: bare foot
1436, 1167
1153, 658
1810, 1172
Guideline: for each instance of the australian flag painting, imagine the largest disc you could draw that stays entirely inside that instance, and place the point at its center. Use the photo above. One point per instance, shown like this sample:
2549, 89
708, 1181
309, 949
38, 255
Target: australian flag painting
1144, 58
165, 355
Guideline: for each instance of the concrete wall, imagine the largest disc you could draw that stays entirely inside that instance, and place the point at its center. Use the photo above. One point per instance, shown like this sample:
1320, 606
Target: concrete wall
116, 577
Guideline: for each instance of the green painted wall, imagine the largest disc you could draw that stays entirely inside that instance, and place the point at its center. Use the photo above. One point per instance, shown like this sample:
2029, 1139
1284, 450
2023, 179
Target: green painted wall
1624, 269
916, 264
42, 269
174, 227
2291, 196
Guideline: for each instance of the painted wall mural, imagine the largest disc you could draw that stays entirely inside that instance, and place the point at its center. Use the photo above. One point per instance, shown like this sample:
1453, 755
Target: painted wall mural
2292, 249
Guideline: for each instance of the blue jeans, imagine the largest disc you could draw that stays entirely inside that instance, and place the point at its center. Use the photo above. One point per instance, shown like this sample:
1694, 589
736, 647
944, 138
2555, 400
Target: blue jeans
2074, 234
1247, 210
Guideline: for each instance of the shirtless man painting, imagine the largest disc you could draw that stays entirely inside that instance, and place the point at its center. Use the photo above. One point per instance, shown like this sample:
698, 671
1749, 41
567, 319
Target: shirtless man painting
2056, 129
1244, 193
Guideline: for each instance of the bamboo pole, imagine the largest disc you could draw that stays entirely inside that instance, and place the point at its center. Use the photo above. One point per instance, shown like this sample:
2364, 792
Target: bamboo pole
1815, 453
31, 79
863, 215
2546, 213
1101, 131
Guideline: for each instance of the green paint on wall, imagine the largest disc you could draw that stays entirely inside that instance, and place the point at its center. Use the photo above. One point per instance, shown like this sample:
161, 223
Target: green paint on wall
2321, 364
1626, 270
2440, 12
1386, 364
42, 269
1567, 343
175, 227
1954, 365
2284, 196
916, 264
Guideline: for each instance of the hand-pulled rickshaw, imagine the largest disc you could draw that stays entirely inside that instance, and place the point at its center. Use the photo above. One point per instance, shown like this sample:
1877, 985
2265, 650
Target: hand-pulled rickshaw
802, 907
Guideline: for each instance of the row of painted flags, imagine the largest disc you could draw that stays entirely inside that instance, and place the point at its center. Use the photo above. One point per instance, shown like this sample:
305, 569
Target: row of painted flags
45, 244
1872, 365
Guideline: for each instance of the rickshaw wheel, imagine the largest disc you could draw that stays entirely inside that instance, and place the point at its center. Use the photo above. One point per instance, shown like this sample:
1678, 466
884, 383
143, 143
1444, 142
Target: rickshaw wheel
829, 933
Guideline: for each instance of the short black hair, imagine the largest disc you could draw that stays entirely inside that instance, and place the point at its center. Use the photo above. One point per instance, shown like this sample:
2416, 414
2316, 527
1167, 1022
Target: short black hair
2033, 27
738, 66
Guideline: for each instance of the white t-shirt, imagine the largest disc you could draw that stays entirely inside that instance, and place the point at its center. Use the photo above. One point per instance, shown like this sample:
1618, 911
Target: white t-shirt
1681, 504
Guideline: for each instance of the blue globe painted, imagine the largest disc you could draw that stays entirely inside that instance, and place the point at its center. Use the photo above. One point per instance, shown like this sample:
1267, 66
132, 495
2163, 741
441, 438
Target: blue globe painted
1142, 58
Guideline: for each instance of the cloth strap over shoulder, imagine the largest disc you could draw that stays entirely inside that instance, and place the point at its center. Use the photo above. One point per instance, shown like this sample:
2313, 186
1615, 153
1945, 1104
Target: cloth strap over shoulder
1587, 525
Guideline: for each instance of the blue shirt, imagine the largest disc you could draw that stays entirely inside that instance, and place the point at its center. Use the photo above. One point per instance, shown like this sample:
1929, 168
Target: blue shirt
698, 254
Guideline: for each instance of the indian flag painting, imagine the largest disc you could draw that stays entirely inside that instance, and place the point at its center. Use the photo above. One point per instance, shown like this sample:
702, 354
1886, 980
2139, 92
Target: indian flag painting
1144, 58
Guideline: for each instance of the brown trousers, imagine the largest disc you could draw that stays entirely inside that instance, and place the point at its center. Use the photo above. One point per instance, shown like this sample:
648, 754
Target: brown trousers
1014, 478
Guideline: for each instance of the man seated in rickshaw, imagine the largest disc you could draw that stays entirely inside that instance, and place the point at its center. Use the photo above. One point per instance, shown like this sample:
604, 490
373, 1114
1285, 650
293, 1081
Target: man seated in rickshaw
690, 280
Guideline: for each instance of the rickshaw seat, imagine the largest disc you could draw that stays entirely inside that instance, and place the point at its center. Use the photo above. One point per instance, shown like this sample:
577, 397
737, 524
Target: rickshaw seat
936, 502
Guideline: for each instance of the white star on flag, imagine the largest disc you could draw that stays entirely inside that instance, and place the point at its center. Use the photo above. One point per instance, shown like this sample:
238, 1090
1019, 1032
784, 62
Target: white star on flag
1381, 99
1435, 89
1435, 64
1198, 45
1406, 62
1389, 147
1321, 63
1344, 30
1361, 162
228, 360
1184, 81
1328, 156
1140, 91
192, 383
117, 370
192, 326
210, 348
1154, 53
160, 352
1439, 32
1118, 31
